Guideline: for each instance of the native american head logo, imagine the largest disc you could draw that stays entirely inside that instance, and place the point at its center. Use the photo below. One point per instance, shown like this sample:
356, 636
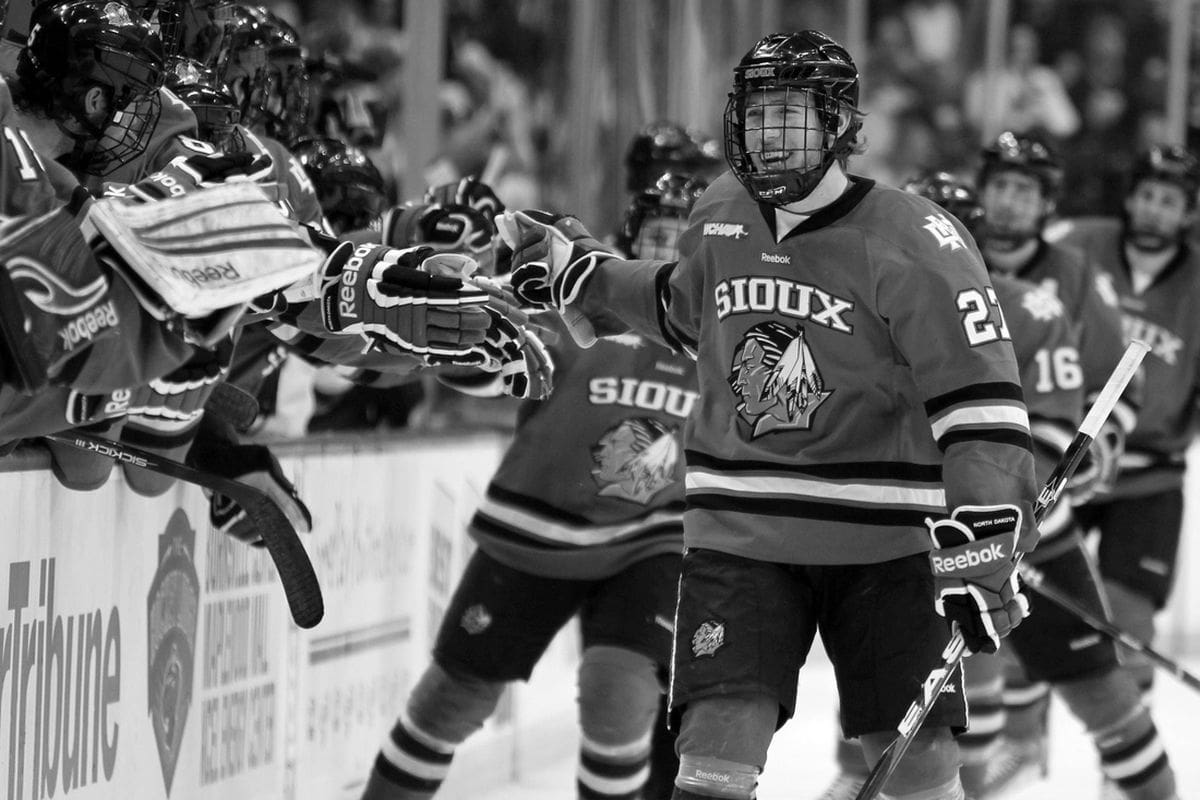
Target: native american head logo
635, 459
776, 381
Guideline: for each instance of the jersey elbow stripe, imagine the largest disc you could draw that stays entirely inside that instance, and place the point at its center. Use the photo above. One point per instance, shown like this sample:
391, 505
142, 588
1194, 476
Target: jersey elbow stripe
931, 499
810, 510
1013, 438
977, 415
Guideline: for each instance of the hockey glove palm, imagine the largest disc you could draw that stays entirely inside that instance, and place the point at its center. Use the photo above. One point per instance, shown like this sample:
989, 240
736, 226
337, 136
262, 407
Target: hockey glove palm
397, 302
468, 191
255, 466
975, 573
553, 257
446, 228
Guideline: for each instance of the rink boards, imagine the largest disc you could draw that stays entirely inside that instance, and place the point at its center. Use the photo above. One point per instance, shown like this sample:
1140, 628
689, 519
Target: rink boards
143, 657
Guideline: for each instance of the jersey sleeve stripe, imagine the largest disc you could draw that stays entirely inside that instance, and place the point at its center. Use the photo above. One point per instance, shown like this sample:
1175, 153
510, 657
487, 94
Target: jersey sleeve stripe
928, 499
1056, 436
1013, 438
977, 416
897, 471
677, 339
533, 526
976, 393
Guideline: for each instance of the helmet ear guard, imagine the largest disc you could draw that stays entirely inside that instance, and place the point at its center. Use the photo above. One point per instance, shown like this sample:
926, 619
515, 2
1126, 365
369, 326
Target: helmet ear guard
807, 61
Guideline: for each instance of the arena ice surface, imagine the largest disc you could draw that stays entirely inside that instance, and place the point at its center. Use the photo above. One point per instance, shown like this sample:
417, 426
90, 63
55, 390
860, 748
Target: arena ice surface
801, 764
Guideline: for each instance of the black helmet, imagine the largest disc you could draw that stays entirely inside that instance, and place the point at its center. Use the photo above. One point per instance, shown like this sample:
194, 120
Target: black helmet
659, 147
1023, 153
952, 194
241, 62
216, 110
806, 61
1171, 164
349, 187
671, 197
75, 45
285, 112
346, 102
189, 28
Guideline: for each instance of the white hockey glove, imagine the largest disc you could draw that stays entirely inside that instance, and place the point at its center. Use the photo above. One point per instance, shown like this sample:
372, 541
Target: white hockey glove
1098, 470
975, 573
398, 302
468, 191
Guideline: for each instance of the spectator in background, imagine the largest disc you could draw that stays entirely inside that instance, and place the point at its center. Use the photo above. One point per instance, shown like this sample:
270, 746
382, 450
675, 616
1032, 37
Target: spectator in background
1030, 95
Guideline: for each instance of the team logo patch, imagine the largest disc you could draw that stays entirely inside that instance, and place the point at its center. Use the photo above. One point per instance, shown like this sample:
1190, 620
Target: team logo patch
1042, 305
635, 459
726, 230
776, 380
476, 619
944, 231
708, 638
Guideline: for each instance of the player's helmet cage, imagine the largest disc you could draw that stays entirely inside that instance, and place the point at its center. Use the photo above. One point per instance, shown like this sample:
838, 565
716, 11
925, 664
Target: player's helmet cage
669, 200
241, 62
951, 193
188, 28
285, 109
216, 109
768, 75
75, 45
349, 186
1170, 164
1027, 154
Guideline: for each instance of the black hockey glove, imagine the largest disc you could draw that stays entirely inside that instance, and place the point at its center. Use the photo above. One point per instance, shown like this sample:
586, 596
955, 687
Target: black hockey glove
446, 228
256, 466
398, 302
553, 256
975, 573
186, 174
467, 192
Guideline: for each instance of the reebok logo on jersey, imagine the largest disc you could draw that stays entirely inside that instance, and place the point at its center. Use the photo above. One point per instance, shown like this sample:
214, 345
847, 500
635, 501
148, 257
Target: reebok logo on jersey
87, 325
944, 231
727, 230
775, 258
762, 294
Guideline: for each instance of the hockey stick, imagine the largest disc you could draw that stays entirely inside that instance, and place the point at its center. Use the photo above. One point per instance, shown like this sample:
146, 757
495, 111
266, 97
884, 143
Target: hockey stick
1036, 579
952, 656
235, 406
300, 584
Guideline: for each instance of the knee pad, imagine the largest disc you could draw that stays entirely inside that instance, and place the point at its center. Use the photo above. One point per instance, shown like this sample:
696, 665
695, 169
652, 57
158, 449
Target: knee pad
1101, 701
618, 701
930, 765
733, 728
451, 707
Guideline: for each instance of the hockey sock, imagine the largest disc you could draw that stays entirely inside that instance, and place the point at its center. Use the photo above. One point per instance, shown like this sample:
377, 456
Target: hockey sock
618, 701
1132, 755
850, 758
1026, 708
950, 790
1133, 612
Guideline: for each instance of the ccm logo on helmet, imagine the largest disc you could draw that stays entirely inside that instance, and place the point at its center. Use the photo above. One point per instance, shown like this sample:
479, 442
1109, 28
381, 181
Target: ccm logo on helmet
975, 557
760, 72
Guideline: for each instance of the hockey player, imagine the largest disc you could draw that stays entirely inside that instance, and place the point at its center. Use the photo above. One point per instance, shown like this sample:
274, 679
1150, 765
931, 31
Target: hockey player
1146, 259
584, 515
1053, 645
830, 439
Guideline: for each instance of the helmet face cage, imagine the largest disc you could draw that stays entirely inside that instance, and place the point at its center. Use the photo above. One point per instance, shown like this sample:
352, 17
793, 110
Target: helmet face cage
123, 139
244, 71
658, 215
216, 110
286, 98
791, 94
349, 187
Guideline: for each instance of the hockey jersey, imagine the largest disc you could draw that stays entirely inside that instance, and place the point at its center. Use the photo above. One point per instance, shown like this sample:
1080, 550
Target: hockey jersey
1093, 308
854, 378
1164, 316
593, 480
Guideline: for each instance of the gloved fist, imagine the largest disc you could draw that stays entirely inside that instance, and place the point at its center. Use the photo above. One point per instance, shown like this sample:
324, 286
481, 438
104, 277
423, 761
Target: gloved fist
467, 192
447, 228
518, 355
398, 303
552, 256
255, 466
1098, 469
975, 573
186, 174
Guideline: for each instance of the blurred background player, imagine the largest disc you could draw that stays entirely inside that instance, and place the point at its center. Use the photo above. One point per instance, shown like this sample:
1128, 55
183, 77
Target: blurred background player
1146, 259
584, 515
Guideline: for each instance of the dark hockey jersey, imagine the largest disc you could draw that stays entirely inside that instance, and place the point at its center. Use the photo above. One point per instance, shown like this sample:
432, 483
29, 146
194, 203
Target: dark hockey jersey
593, 480
1164, 316
855, 378
1093, 308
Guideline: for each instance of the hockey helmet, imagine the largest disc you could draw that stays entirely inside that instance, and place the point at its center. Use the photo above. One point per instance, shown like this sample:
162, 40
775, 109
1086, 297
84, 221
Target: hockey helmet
1170, 164
772, 75
657, 216
1023, 153
241, 62
951, 193
659, 147
349, 186
216, 110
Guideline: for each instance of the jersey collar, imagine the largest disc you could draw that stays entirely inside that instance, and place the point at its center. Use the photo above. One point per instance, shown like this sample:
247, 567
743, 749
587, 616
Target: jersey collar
822, 217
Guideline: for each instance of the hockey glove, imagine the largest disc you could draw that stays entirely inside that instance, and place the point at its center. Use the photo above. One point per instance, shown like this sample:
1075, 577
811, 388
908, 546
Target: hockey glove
384, 295
553, 256
186, 174
1098, 470
975, 573
255, 466
446, 228
467, 192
